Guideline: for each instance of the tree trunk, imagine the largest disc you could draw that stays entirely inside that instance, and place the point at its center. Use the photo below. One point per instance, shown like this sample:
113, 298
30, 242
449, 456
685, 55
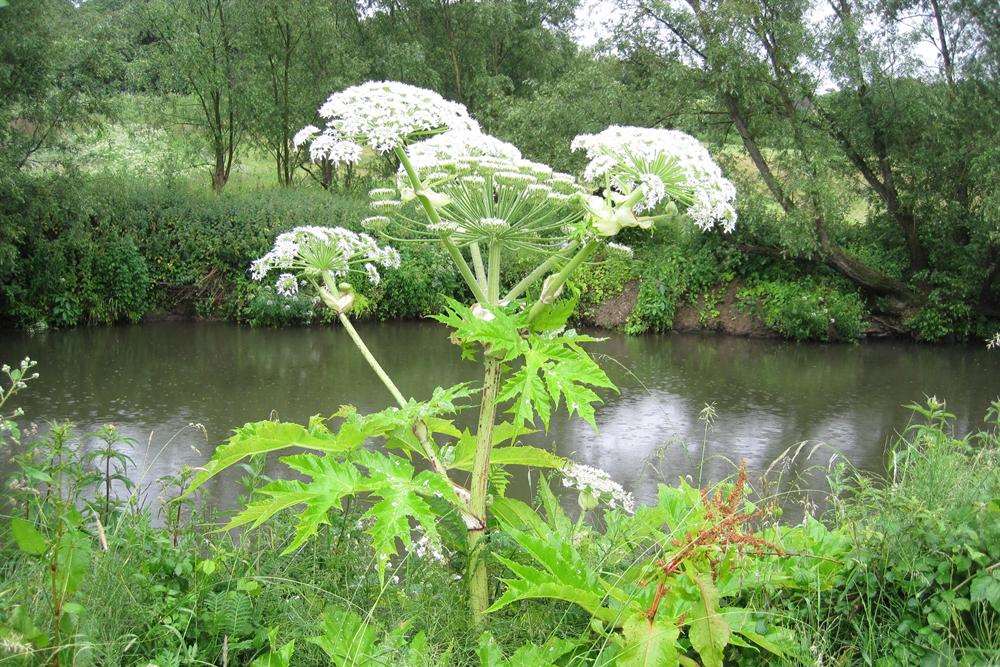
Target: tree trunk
220, 175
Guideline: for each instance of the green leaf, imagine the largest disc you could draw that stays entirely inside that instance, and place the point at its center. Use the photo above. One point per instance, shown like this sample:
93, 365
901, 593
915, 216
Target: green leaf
986, 587
525, 455
513, 513
392, 479
566, 575
649, 643
489, 652
276, 657
555, 315
27, 538
268, 436
346, 639
709, 632
527, 390
72, 561
331, 481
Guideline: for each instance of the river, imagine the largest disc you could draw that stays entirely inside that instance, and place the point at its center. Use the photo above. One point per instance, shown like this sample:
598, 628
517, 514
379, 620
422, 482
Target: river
156, 380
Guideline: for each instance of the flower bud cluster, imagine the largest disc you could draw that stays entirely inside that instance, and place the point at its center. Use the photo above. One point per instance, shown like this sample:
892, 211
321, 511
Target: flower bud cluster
595, 485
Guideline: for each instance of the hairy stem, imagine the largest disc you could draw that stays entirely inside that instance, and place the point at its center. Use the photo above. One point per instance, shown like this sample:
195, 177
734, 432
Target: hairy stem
477, 263
372, 361
419, 429
478, 588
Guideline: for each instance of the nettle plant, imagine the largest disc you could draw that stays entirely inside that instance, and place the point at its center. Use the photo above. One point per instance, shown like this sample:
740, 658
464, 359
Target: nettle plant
482, 202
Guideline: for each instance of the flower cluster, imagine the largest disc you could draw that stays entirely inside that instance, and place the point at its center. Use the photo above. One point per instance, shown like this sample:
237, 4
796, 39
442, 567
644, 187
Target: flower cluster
314, 253
483, 191
598, 485
459, 144
660, 165
380, 115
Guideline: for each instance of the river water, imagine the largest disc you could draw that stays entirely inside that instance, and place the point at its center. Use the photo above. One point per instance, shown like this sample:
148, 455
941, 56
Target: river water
155, 380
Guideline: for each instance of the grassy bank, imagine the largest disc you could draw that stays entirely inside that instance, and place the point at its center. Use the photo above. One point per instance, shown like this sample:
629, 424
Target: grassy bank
107, 249
896, 570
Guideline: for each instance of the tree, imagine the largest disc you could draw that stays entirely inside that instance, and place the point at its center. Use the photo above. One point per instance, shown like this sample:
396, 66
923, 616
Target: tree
51, 67
471, 52
299, 52
767, 65
198, 54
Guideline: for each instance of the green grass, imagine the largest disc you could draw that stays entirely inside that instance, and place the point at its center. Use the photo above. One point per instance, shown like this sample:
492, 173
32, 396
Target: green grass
920, 584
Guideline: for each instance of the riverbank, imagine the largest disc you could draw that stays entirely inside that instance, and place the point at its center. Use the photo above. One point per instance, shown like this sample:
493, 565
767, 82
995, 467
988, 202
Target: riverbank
898, 570
109, 249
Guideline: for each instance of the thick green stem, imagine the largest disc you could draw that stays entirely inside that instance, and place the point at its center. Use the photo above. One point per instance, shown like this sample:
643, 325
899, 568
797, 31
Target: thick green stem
477, 263
478, 583
372, 361
420, 429
493, 274
552, 289
432, 215
539, 271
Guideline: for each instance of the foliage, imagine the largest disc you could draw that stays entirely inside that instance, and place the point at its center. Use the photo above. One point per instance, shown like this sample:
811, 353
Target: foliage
923, 585
806, 310
654, 582
673, 274
898, 571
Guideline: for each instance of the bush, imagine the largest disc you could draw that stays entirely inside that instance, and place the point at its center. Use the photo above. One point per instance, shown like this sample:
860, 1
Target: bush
112, 249
806, 309
675, 271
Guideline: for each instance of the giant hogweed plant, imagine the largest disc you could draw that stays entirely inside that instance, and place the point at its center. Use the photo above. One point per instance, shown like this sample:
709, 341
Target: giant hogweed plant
481, 201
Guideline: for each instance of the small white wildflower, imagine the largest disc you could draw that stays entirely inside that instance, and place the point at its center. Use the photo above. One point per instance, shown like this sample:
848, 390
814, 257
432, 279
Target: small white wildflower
384, 115
494, 224
386, 204
373, 275
993, 343
312, 252
621, 249
618, 151
445, 226
304, 135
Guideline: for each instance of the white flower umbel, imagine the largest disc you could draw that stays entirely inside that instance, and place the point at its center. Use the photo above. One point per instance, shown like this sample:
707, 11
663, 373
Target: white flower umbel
448, 148
381, 116
595, 485
318, 255
483, 191
650, 167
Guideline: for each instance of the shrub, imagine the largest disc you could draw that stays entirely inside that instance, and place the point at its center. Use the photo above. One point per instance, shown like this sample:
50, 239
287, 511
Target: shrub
674, 272
923, 586
805, 309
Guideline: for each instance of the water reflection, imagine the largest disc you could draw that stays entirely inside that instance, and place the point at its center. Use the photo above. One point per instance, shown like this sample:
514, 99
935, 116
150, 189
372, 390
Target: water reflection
154, 380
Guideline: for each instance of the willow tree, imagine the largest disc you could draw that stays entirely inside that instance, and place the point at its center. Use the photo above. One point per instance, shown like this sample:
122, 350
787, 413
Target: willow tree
840, 99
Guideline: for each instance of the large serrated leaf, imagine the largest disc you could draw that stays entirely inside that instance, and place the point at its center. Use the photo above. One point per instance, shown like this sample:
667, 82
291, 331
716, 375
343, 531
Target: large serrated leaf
27, 537
649, 643
709, 632
268, 436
